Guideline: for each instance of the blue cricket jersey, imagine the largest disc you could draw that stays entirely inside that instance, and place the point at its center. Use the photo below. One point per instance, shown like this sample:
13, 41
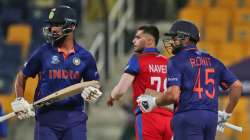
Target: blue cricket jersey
57, 71
3, 126
199, 76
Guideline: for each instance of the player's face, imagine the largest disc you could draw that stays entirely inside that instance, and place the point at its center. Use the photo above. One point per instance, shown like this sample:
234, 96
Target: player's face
139, 41
56, 30
173, 44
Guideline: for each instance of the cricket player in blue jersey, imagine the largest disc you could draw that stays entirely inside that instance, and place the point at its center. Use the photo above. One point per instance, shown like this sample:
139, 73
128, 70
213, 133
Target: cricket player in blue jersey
3, 126
194, 78
60, 62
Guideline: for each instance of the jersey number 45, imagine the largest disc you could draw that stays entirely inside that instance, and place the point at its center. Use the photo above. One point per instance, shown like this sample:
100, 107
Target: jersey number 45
208, 81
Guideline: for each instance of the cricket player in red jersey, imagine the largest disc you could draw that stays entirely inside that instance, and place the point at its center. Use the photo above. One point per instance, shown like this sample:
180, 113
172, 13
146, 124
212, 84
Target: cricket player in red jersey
146, 69
61, 62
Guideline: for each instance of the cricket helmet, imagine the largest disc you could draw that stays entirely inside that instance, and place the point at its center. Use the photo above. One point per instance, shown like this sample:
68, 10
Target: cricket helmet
63, 16
179, 31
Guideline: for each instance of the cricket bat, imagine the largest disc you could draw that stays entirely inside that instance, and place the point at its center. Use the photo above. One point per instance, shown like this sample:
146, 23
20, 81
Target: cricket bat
56, 96
234, 127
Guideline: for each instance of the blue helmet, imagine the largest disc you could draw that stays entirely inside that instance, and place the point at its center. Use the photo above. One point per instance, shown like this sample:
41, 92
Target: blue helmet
184, 28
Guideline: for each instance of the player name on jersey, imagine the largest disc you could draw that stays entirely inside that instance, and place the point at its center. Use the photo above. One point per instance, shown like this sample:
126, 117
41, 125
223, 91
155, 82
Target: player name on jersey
157, 68
200, 61
64, 74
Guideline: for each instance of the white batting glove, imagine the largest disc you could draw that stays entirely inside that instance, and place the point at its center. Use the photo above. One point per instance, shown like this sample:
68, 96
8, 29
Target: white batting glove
222, 119
22, 108
146, 103
91, 94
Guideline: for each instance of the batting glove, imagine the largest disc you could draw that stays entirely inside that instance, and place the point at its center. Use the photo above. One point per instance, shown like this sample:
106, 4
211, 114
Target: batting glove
222, 119
146, 103
91, 94
22, 108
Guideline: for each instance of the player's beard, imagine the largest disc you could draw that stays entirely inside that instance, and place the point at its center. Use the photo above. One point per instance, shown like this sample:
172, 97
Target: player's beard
138, 49
177, 49
59, 41
177, 46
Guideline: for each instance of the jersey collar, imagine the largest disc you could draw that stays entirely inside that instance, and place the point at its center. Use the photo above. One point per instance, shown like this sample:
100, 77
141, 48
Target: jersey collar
190, 47
72, 51
150, 50
63, 51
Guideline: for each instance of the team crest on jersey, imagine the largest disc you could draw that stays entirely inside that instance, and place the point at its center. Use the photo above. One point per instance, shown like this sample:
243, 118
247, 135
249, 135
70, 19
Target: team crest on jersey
76, 61
55, 60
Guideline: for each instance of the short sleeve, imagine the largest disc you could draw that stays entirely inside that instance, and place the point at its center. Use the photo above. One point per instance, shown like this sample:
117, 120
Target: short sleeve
91, 72
33, 65
173, 74
133, 66
227, 77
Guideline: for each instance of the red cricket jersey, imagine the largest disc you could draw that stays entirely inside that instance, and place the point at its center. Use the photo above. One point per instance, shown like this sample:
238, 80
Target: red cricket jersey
150, 71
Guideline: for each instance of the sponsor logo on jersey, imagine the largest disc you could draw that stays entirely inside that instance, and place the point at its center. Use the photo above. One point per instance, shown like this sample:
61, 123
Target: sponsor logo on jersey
172, 79
76, 61
55, 60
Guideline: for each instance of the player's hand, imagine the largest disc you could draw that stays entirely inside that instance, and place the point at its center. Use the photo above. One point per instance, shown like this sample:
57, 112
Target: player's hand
146, 103
96, 84
91, 94
222, 119
110, 101
22, 108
